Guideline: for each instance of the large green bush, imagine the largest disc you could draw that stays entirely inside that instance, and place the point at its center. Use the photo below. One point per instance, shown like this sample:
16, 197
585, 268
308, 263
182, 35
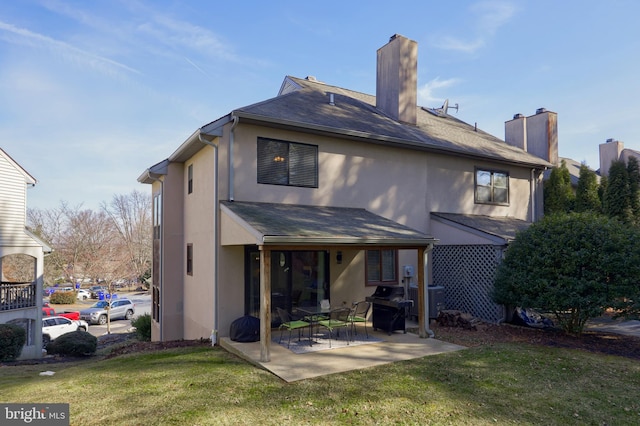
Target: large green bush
573, 266
12, 339
76, 343
142, 324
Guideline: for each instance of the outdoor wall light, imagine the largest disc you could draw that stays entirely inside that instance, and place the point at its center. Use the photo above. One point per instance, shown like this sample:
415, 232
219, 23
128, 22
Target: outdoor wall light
339, 258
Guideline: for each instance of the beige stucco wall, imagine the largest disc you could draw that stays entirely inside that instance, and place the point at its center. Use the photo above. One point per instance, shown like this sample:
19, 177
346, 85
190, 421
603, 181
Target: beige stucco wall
401, 185
172, 268
199, 230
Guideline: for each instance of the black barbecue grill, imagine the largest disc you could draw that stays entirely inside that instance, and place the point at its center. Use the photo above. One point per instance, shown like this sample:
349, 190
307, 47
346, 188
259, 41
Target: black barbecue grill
390, 308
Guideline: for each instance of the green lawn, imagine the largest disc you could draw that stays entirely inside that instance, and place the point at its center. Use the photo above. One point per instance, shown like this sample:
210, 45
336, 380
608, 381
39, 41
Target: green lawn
499, 384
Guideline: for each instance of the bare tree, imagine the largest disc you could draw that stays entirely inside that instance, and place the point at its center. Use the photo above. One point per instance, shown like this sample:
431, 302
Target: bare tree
131, 216
106, 245
50, 226
92, 241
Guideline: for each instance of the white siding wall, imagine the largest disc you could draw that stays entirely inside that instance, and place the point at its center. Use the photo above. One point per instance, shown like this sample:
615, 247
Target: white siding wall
12, 206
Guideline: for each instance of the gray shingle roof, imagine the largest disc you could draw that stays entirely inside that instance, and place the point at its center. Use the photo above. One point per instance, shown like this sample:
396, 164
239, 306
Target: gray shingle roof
314, 225
305, 104
505, 228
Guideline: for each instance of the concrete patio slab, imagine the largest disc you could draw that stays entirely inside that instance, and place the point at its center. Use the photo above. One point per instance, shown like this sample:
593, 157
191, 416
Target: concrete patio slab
292, 367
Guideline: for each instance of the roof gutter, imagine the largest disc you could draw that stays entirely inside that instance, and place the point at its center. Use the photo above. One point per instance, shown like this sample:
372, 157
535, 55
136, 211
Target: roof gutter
333, 241
232, 133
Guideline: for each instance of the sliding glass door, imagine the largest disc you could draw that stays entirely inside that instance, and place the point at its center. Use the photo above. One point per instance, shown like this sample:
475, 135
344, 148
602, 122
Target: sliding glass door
298, 278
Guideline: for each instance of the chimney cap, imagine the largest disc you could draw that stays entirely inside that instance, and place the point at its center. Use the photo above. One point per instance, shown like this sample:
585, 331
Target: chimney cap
611, 140
518, 115
541, 110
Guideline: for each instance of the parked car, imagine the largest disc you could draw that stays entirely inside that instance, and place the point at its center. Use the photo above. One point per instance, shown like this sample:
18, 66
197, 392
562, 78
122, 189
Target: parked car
84, 294
48, 311
96, 290
54, 327
119, 309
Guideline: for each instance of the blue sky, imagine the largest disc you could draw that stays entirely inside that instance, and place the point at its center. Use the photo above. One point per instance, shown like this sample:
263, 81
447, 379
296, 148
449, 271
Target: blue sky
94, 92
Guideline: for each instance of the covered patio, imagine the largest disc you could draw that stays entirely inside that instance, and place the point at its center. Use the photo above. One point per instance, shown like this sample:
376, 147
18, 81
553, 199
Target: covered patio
292, 367
271, 227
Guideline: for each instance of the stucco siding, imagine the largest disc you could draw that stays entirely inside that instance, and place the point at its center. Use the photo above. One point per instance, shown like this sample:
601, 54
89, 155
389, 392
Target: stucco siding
399, 184
231, 289
173, 262
199, 231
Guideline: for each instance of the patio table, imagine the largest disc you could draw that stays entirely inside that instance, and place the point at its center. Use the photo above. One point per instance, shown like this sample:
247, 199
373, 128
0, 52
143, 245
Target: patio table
312, 315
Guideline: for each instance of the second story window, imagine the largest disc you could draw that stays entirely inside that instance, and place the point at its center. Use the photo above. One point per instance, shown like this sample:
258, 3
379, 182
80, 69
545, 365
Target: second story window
190, 179
287, 163
492, 187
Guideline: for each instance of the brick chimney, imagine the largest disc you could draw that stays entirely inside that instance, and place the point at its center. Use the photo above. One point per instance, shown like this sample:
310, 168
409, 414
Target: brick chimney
536, 134
397, 80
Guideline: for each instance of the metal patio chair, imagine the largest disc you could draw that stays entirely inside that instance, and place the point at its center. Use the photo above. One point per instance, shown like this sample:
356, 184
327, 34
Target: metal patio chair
290, 324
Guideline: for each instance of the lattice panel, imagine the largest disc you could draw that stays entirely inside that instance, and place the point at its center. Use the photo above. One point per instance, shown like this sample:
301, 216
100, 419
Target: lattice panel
467, 273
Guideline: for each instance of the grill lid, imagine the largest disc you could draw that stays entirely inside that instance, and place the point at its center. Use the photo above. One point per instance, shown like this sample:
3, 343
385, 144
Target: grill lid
387, 292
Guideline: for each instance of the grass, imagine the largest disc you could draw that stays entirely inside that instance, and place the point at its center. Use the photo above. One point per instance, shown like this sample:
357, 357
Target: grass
497, 384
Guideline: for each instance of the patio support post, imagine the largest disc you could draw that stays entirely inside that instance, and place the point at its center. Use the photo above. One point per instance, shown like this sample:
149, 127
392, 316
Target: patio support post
422, 306
265, 305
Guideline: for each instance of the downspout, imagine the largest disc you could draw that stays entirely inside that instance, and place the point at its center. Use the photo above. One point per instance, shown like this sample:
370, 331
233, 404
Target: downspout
425, 265
160, 256
533, 197
235, 119
216, 255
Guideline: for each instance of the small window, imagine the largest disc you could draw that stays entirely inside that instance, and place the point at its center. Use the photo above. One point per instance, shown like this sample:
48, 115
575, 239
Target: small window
190, 179
189, 259
381, 267
157, 215
492, 187
287, 163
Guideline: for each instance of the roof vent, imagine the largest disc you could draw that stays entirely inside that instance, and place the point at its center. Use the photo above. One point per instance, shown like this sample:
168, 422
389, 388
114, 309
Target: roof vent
331, 99
311, 78
541, 110
518, 115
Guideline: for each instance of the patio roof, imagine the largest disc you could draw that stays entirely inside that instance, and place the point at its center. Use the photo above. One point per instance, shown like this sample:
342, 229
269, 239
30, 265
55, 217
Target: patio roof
289, 224
502, 230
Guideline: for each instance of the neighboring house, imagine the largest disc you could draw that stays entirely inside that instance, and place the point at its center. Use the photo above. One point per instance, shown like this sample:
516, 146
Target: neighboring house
573, 167
613, 150
324, 193
21, 258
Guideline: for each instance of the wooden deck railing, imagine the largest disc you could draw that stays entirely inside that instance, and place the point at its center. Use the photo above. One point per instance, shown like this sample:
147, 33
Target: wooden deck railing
17, 295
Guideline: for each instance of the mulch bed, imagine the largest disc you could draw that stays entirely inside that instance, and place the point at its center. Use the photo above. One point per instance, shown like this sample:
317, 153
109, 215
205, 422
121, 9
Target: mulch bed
591, 341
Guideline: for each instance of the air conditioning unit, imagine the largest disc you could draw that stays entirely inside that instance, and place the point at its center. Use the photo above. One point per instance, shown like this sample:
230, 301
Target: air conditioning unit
436, 300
